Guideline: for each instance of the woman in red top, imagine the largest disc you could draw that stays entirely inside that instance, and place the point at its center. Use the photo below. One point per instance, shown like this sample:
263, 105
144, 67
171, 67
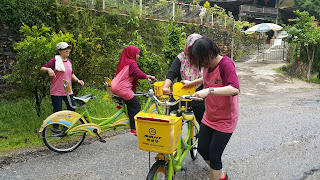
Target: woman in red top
221, 89
125, 82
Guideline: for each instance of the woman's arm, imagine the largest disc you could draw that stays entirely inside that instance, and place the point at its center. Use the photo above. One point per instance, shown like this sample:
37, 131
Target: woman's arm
217, 91
49, 71
74, 77
187, 83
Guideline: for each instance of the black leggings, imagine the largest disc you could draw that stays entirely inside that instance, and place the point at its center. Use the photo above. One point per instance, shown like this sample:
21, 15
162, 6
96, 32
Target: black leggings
212, 144
133, 107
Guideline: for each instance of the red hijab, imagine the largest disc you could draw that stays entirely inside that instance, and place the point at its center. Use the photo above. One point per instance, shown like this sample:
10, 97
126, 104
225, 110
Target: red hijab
128, 56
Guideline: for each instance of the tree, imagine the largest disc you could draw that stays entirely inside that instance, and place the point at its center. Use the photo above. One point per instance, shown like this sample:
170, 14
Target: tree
311, 5
175, 43
305, 33
34, 51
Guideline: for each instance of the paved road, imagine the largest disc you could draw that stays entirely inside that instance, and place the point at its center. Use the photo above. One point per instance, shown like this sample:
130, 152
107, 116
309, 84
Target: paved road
277, 138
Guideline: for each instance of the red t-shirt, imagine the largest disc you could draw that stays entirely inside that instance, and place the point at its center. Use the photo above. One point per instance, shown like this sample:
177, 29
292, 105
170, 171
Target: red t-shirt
221, 111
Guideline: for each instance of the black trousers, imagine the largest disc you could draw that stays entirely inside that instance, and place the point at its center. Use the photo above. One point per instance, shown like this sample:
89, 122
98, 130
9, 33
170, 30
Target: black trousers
133, 107
212, 144
57, 103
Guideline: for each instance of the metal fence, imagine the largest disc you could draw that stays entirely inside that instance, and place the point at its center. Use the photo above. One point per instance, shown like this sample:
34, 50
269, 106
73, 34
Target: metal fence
159, 9
272, 50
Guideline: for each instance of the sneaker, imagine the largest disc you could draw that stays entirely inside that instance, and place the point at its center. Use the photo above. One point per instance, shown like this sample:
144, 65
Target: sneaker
133, 131
226, 177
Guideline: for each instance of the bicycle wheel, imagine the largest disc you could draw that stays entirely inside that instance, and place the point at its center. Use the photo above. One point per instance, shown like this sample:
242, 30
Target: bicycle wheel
194, 150
55, 138
159, 170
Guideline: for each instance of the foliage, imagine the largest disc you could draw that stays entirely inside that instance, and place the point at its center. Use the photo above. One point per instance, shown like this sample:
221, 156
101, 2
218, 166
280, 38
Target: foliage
311, 5
149, 62
240, 25
34, 51
29, 12
175, 43
37, 48
305, 32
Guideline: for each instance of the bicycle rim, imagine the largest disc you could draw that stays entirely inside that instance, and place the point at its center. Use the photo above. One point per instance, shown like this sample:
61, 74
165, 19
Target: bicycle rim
57, 140
158, 171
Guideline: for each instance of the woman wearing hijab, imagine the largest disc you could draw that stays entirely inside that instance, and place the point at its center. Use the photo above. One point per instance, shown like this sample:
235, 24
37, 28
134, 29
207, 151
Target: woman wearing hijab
125, 82
188, 75
58, 69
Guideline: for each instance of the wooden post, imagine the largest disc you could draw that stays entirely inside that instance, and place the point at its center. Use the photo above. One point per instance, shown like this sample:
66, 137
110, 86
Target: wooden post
173, 9
140, 8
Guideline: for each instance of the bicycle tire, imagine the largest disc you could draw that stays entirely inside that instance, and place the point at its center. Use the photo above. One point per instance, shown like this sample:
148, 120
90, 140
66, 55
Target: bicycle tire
159, 170
59, 141
194, 150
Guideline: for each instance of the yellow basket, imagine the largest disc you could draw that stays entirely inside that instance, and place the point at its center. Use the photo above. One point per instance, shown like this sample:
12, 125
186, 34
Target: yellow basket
158, 133
158, 88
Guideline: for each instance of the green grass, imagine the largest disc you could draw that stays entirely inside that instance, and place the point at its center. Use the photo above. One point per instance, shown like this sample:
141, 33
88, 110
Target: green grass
19, 123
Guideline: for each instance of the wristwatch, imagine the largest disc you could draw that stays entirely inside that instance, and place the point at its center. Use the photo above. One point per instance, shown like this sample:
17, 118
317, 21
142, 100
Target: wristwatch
211, 90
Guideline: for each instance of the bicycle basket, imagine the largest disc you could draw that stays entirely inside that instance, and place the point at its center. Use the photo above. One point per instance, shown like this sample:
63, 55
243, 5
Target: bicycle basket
158, 133
158, 89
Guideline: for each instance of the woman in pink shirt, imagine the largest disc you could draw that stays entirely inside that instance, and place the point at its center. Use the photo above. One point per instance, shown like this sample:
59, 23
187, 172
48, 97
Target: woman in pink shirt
58, 69
125, 82
221, 89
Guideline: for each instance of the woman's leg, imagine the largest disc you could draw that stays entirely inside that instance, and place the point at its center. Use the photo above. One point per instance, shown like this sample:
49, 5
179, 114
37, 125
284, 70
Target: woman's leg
198, 109
211, 146
56, 103
133, 107
65, 99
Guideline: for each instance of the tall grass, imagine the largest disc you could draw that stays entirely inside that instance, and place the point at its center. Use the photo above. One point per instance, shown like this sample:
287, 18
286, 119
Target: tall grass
19, 123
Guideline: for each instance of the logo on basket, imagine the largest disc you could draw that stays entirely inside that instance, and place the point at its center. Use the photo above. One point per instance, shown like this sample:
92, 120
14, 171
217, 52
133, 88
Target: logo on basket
152, 131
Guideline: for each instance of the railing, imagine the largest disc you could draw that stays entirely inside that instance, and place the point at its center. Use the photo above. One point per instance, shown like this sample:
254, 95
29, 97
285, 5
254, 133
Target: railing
159, 9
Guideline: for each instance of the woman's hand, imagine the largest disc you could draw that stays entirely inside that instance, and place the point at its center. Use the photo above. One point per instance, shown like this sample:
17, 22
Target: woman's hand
80, 82
166, 90
186, 84
202, 94
151, 77
51, 73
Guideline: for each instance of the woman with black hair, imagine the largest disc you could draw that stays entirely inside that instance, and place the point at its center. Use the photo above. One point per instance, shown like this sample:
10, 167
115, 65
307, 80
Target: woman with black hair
221, 89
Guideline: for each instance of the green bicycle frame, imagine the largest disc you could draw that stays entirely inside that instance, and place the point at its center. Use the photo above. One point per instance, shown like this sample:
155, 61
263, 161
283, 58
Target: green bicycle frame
106, 122
175, 163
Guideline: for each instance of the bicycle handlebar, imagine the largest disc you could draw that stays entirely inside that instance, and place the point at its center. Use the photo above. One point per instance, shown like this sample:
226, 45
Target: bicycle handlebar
165, 103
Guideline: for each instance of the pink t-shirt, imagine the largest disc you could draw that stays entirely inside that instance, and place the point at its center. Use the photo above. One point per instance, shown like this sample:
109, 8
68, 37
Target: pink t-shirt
221, 112
57, 88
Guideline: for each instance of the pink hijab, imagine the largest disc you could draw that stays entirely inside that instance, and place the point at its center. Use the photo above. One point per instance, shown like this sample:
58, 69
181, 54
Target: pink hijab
128, 56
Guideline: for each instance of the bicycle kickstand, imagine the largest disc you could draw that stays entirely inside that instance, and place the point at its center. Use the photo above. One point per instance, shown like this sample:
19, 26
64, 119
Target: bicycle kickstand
99, 137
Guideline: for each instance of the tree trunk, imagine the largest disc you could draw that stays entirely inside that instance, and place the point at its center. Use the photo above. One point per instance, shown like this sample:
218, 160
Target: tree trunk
310, 58
38, 102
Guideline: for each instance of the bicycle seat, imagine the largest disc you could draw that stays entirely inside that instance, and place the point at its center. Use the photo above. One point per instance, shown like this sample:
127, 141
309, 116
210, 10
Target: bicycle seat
85, 98
79, 100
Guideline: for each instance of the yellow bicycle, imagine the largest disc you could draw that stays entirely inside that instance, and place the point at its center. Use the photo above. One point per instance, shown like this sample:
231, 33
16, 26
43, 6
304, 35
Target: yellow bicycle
64, 131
